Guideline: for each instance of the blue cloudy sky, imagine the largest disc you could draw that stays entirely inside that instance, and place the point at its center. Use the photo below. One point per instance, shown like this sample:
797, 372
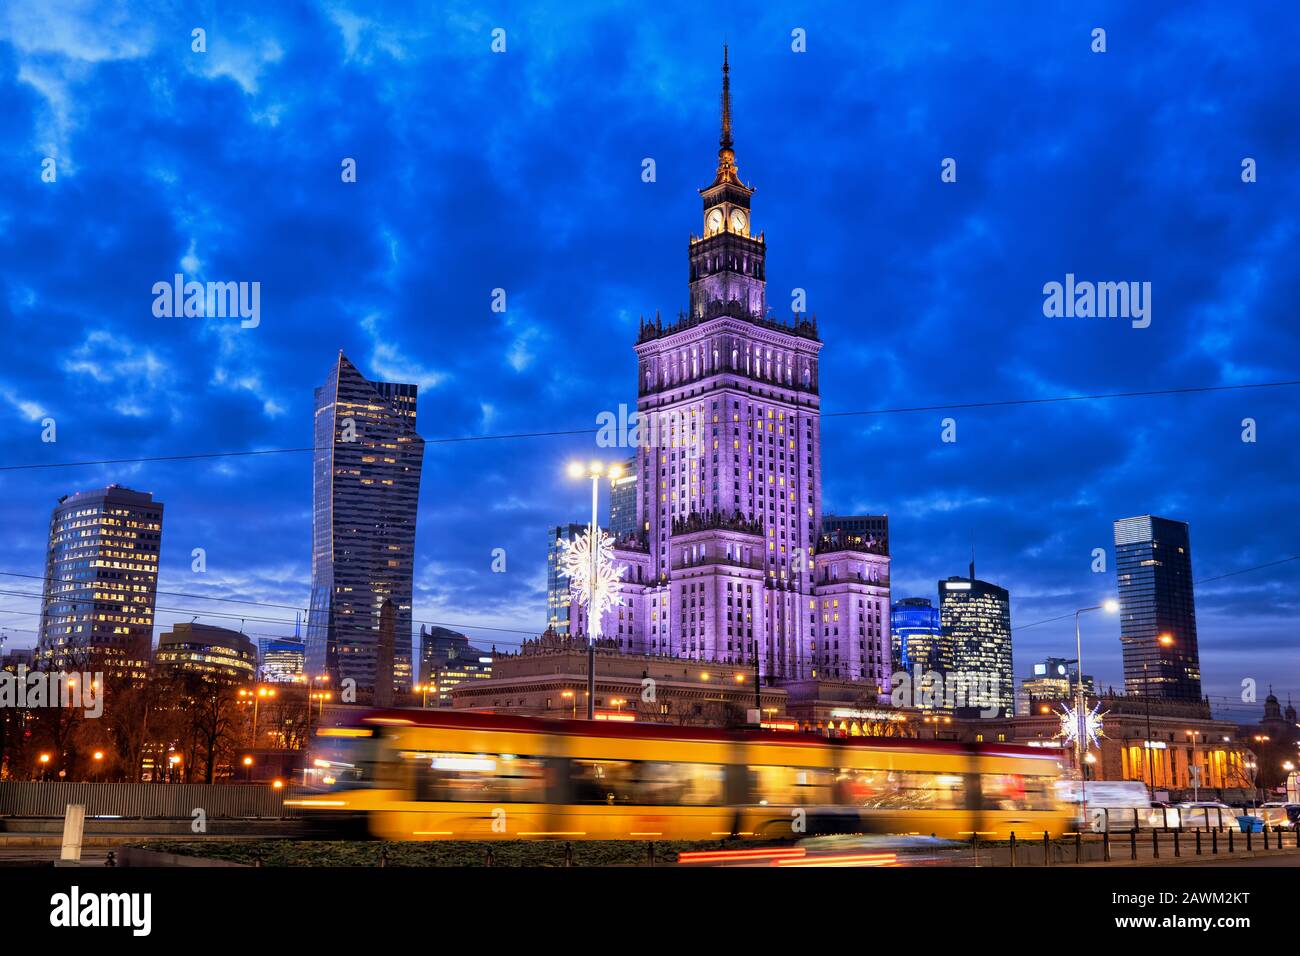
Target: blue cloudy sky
521, 170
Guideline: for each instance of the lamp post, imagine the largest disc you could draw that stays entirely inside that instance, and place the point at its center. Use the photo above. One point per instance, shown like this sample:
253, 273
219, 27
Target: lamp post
1080, 713
1193, 771
311, 682
595, 471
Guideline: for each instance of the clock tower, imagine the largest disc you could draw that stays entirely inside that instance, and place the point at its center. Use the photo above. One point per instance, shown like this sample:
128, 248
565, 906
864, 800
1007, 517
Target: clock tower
727, 564
728, 274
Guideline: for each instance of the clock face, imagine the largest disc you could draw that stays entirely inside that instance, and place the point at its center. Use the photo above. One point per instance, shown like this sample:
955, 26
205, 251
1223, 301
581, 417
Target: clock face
737, 220
715, 220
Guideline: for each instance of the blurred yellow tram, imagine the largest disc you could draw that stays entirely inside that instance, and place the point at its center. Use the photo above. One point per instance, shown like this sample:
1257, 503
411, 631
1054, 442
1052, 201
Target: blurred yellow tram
429, 775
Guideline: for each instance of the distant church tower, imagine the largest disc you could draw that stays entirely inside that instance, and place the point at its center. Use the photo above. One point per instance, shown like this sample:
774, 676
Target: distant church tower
729, 478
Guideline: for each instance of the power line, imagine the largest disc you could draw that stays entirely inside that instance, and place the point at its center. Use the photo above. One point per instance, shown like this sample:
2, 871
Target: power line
565, 433
531, 632
202, 612
1217, 577
508, 642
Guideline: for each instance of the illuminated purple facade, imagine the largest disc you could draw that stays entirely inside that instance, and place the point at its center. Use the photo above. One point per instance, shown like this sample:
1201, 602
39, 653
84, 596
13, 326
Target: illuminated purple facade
728, 550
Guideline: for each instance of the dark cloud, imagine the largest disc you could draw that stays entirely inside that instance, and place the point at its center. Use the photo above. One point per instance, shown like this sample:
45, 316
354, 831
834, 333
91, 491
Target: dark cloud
522, 172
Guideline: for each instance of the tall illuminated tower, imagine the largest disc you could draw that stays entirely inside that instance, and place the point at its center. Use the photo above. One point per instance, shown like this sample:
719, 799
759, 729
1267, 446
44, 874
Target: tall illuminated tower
365, 487
976, 620
1153, 561
728, 563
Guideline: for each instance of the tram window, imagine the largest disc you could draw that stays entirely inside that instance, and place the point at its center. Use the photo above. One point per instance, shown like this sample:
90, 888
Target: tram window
1014, 791
478, 778
899, 790
647, 783
344, 763
791, 786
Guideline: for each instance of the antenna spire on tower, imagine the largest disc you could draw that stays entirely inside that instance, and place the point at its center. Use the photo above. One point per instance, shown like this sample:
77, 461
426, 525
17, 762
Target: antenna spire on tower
725, 141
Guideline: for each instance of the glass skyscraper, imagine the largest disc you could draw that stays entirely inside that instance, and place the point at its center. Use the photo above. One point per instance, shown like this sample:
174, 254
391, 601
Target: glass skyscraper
558, 598
976, 618
918, 638
101, 575
365, 489
282, 660
1153, 562
622, 502
446, 660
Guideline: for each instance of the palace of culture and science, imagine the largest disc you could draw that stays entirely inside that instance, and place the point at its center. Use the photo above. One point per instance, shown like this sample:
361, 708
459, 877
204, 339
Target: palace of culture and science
729, 551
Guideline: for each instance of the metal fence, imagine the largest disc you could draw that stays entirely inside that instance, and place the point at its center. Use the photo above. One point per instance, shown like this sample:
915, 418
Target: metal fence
156, 801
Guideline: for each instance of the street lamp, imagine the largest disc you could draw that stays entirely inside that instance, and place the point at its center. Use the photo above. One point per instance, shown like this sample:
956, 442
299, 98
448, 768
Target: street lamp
1110, 606
594, 470
570, 695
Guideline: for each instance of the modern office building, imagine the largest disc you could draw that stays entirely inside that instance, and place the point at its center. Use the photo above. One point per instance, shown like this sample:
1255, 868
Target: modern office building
101, 575
1051, 682
366, 488
1153, 562
558, 598
976, 618
729, 565
217, 654
282, 660
447, 659
918, 638
622, 502
871, 527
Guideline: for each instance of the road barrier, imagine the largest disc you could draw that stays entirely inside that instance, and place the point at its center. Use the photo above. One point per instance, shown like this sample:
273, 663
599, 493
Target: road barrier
153, 801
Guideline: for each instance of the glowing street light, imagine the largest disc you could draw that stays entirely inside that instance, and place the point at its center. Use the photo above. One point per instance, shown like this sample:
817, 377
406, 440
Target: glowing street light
588, 564
1110, 606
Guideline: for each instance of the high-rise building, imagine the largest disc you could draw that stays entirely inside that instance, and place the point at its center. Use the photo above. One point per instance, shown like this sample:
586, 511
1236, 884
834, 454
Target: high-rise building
871, 527
366, 488
282, 660
1051, 681
622, 502
728, 563
558, 598
446, 660
1153, 562
217, 654
918, 638
976, 619
101, 575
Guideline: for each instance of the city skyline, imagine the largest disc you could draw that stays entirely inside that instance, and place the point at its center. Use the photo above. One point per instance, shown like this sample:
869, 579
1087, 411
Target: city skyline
1036, 489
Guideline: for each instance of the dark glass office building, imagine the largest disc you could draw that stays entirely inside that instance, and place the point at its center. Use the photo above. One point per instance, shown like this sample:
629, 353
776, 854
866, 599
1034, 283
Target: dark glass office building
622, 502
365, 489
918, 638
446, 660
1153, 561
558, 597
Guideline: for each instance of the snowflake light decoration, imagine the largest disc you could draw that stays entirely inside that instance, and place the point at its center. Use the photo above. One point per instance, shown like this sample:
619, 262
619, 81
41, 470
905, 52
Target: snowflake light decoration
599, 592
1092, 725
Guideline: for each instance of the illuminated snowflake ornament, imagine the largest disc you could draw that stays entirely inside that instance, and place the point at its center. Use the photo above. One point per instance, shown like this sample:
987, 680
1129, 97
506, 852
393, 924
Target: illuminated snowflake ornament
1092, 725
598, 591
